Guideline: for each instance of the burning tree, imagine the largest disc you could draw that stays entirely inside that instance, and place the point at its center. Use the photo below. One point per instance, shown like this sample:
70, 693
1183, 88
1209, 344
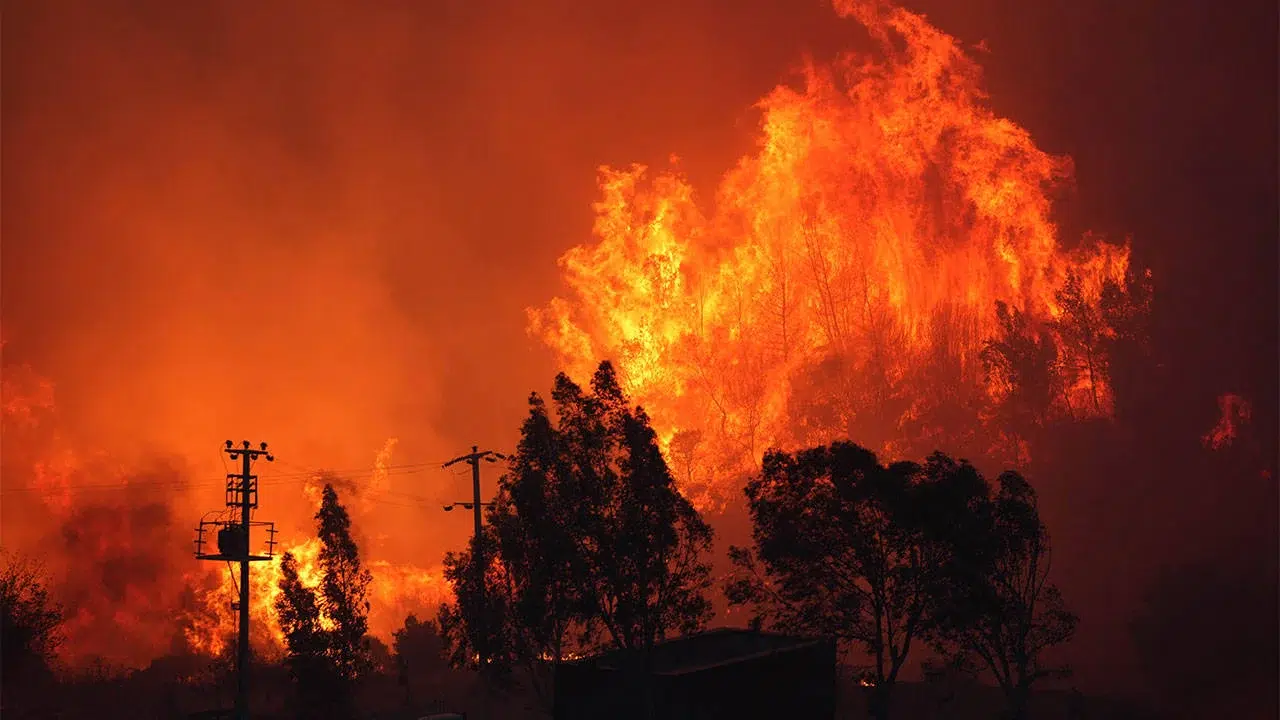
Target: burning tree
848, 275
1021, 364
325, 628
593, 544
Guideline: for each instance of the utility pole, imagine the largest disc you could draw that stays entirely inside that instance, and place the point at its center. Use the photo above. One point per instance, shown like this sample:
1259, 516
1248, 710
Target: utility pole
233, 546
477, 554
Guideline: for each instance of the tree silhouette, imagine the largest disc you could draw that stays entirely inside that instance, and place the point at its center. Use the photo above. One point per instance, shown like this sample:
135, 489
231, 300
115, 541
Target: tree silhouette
850, 548
999, 605
638, 545
593, 544
344, 587
30, 625
1083, 332
473, 612
1125, 307
325, 628
1021, 365
306, 641
417, 651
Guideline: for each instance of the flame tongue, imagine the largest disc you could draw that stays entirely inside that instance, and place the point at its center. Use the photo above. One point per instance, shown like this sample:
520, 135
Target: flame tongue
884, 213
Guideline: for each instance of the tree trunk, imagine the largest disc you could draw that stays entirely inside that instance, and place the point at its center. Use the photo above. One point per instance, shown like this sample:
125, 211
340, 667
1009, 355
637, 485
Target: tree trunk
879, 701
1018, 697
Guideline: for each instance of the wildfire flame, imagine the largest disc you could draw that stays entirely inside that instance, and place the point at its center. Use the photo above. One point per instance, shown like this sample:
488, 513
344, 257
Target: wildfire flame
118, 551
865, 242
396, 591
1236, 412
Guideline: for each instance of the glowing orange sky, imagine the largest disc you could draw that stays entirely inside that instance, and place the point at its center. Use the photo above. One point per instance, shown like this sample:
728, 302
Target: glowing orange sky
320, 227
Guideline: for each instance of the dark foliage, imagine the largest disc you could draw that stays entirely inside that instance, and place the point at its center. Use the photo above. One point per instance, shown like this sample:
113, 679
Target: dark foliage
344, 588
884, 556
997, 606
417, 651
1126, 311
592, 544
326, 628
850, 548
30, 627
1023, 363
1083, 333
476, 619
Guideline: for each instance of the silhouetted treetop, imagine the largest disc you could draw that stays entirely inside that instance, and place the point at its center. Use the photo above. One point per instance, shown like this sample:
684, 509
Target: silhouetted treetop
326, 627
595, 544
30, 625
848, 547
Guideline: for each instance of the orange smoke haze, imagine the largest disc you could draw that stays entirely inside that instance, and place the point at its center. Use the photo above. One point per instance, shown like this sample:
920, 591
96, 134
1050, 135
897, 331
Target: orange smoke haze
252, 243
319, 224
113, 535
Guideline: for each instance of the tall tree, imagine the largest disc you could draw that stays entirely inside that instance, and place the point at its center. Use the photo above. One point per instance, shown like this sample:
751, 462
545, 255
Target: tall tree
999, 605
326, 627
594, 545
638, 545
847, 547
474, 612
344, 587
307, 642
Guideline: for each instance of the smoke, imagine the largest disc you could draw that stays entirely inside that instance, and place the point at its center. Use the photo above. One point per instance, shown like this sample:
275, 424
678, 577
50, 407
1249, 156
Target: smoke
118, 562
1206, 637
318, 226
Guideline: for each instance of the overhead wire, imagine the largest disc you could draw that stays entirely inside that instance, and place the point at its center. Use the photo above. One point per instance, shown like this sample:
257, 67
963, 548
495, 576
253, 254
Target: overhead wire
267, 479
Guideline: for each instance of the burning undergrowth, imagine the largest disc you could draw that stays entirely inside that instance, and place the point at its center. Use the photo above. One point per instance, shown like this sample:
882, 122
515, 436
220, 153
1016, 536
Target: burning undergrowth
117, 541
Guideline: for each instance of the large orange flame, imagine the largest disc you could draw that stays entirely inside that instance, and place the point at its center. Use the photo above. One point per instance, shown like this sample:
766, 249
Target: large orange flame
884, 213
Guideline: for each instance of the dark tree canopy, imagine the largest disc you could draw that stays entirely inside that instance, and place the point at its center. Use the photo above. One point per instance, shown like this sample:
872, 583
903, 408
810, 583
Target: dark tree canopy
417, 657
344, 587
998, 606
1022, 363
30, 624
325, 628
477, 619
847, 547
593, 545
1126, 311
306, 641
417, 646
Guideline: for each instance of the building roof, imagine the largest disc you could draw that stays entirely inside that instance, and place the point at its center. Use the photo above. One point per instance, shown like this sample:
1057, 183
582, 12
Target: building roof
704, 650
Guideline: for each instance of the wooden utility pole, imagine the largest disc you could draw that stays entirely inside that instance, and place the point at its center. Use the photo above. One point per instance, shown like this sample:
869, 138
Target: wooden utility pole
477, 553
233, 546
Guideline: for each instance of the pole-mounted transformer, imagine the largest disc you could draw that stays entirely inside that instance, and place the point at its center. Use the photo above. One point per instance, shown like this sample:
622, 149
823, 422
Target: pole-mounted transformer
233, 544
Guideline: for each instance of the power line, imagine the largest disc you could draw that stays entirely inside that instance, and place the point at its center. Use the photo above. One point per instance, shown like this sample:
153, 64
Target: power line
272, 479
